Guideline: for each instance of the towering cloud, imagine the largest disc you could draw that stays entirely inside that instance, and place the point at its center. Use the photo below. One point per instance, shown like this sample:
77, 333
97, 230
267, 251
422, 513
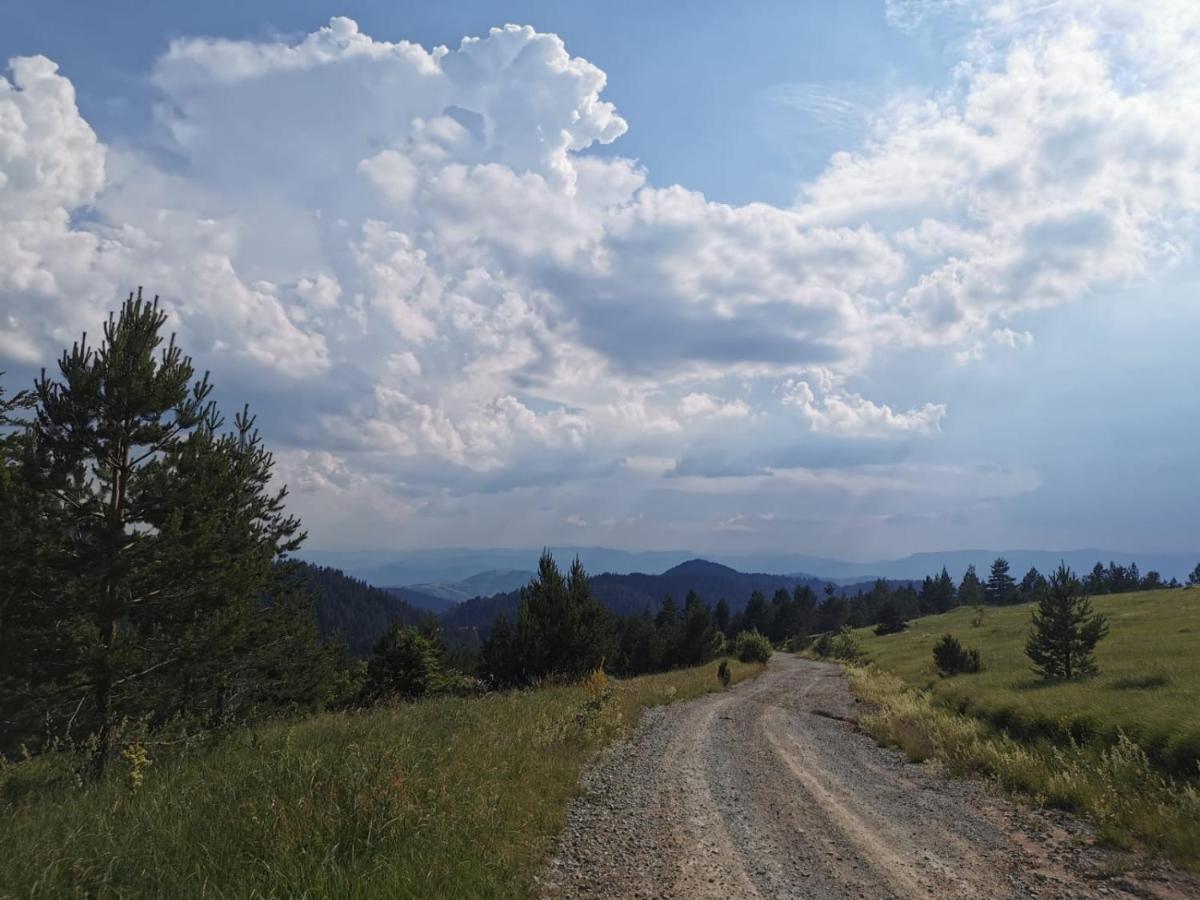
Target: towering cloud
427, 243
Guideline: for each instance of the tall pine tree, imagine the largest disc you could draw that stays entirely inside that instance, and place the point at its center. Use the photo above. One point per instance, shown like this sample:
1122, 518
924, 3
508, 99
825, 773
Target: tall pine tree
1001, 588
1064, 630
155, 595
970, 590
561, 630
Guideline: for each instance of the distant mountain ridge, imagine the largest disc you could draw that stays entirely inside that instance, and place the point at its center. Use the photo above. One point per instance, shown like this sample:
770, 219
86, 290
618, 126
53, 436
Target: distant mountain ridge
638, 592
452, 565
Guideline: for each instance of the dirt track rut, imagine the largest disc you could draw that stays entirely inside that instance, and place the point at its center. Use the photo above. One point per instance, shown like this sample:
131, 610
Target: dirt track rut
769, 790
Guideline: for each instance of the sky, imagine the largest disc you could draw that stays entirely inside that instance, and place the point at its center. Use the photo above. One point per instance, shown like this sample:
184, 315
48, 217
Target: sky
856, 279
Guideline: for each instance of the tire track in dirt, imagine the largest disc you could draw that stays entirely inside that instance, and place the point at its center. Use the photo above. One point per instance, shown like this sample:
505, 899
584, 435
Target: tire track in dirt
769, 790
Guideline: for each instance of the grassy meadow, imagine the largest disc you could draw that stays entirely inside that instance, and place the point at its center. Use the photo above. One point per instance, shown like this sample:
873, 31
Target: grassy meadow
1148, 687
1122, 748
448, 797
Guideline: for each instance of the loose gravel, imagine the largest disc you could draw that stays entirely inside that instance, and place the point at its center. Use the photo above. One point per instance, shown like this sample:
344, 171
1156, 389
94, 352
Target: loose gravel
770, 790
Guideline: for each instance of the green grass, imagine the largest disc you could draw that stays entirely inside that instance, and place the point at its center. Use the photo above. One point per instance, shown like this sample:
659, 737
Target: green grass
1133, 804
450, 797
1148, 688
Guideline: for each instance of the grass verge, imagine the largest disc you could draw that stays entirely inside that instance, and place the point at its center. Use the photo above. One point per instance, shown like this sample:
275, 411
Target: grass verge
1115, 785
450, 797
1148, 688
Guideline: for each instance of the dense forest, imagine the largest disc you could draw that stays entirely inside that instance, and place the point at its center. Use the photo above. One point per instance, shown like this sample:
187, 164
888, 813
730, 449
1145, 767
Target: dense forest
353, 610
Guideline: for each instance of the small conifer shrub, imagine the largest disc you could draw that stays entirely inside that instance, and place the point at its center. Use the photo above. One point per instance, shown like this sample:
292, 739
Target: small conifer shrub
952, 658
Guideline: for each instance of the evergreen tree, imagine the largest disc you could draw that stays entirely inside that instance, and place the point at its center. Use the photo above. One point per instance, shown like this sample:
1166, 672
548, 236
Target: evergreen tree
1001, 589
891, 618
804, 602
669, 624
155, 594
970, 590
1152, 581
1193, 579
946, 596
952, 658
757, 615
405, 663
1065, 630
833, 614
641, 646
928, 586
937, 594
25, 546
561, 630
701, 640
782, 616
721, 615
1032, 586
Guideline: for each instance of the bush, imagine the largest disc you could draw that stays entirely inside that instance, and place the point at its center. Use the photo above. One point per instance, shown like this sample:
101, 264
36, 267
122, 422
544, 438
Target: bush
750, 646
845, 646
841, 645
952, 658
723, 674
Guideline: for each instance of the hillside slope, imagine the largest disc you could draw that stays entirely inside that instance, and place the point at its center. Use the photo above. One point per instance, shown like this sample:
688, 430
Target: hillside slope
1148, 686
439, 596
354, 609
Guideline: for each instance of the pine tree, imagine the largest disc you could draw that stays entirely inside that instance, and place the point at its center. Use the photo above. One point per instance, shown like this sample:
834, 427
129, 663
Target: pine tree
721, 615
1193, 579
561, 630
163, 533
1001, 589
405, 663
1032, 585
1064, 629
890, 618
970, 591
946, 596
701, 639
757, 615
26, 582
804, 601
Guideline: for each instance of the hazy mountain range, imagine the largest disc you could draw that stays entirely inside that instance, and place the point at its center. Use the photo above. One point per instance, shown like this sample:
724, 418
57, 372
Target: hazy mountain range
454, 574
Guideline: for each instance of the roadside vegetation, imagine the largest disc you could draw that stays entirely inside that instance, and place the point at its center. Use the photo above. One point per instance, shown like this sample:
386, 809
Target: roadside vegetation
1132, 802
452, 797
1119, 742
1146, 689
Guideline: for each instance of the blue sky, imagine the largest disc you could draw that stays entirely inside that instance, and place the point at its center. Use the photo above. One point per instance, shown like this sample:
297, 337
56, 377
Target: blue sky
850, 279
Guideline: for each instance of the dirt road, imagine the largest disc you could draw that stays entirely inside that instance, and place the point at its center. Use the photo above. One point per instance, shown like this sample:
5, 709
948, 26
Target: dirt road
769, 790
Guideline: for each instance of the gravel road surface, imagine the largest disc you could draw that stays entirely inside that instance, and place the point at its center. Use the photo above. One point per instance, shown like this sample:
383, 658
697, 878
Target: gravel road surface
770, 790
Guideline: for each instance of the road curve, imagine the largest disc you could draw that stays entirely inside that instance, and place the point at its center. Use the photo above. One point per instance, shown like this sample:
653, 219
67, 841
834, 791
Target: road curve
770, 790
